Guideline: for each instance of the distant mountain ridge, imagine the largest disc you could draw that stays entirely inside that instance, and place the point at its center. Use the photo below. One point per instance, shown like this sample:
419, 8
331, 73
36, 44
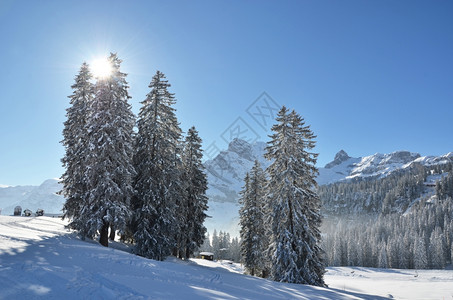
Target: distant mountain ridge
344, 167
227, 170
32, 197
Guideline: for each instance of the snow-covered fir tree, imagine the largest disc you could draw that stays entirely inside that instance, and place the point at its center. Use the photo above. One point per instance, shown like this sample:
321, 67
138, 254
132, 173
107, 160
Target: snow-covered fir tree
109, 168
195, 202
206, 246
295, 218
253, 230
420, 256
75, 137
158, 164
215, 243
382, 259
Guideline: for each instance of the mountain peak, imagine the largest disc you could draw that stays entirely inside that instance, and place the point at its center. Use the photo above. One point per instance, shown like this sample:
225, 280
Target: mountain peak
242, 148
340, 157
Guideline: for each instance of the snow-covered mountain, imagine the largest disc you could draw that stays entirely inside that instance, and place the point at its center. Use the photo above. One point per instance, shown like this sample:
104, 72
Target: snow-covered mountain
32, 197
344, 167
225, 174
227, 170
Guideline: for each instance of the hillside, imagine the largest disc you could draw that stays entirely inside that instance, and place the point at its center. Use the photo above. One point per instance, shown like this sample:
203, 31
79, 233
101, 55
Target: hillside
39, 259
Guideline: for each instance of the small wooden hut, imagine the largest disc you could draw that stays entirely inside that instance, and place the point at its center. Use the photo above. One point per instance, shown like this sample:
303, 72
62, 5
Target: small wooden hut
207, 255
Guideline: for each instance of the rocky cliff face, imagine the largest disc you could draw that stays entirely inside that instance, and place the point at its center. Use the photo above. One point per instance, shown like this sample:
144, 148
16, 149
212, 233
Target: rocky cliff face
340, 157
226, 174
227, 170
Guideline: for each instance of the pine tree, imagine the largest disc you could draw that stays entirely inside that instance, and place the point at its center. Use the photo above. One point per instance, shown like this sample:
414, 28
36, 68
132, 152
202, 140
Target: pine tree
206, 246
420, 256
109, 169
158, 181
451, 254
382, 259
351, 251
195, 201
215, 243
295, 207
253, 231
75, 137
436, 250
235, 249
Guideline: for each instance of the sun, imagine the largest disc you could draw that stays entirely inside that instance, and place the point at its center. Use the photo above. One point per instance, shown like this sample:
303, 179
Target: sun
101, 68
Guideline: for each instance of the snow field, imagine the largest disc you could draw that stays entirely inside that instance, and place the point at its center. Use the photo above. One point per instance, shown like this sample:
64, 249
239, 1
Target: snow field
393, 283
42, 260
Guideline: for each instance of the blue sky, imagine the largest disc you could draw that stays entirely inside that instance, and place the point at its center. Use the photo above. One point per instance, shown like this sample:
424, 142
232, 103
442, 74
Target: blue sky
368, 76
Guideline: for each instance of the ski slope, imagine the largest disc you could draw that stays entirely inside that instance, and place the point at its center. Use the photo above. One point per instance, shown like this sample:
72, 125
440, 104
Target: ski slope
40, 259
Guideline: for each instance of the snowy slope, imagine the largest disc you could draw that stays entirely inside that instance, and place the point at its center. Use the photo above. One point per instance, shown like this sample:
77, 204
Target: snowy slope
32, 197
39, 259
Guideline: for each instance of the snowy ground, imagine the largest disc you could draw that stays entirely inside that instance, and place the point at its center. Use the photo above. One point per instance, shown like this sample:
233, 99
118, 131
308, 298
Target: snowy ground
40, 259
393, 283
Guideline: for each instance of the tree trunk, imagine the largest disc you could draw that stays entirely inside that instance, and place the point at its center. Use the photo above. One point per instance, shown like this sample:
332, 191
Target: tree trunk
104, 238
112, 233
187, 254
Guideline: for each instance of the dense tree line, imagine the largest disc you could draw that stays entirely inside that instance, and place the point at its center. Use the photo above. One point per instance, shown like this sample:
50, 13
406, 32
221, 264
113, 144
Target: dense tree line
280, 214
404, 220
252, 221
419, 239
147, 186
390, 194
222, 246
444, 187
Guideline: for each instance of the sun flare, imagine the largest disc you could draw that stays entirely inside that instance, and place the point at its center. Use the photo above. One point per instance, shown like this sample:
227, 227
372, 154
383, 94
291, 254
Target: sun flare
101, 68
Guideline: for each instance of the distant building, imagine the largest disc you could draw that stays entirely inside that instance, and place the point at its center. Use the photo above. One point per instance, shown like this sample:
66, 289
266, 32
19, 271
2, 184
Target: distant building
17, 211
207, 255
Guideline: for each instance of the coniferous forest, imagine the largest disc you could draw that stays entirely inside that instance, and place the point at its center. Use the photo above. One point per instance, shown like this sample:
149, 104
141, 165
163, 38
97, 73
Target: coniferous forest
146, 186
141, 179
404, 220
280, 216
149, 186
